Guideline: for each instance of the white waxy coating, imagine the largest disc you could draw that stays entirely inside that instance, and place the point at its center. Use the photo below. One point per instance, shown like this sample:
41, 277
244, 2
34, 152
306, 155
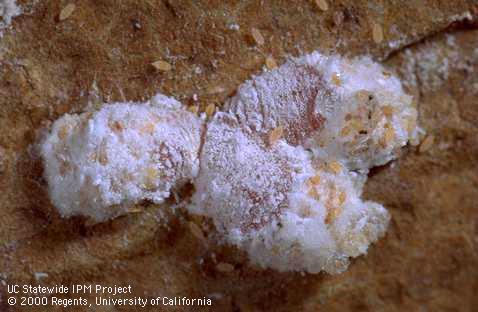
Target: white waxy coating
280, 174
284, 97
290, 208
241, 181
285, 210
370, 118
100, 164
351, 110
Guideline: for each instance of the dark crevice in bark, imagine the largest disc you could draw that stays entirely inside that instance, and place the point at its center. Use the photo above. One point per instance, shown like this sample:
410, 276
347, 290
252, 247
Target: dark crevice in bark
461, 25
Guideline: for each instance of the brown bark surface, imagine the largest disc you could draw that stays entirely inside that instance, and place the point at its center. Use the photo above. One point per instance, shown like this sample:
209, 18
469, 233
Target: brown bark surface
103, 52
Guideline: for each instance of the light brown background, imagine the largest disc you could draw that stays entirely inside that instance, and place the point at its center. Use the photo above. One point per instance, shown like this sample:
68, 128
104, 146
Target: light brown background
428, 260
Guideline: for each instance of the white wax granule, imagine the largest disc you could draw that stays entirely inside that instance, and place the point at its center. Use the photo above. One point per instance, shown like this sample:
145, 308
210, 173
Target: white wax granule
8, 10
99, 164
282, 171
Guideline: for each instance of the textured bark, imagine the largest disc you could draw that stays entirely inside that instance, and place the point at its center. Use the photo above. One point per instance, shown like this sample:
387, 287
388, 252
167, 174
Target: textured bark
104, 51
